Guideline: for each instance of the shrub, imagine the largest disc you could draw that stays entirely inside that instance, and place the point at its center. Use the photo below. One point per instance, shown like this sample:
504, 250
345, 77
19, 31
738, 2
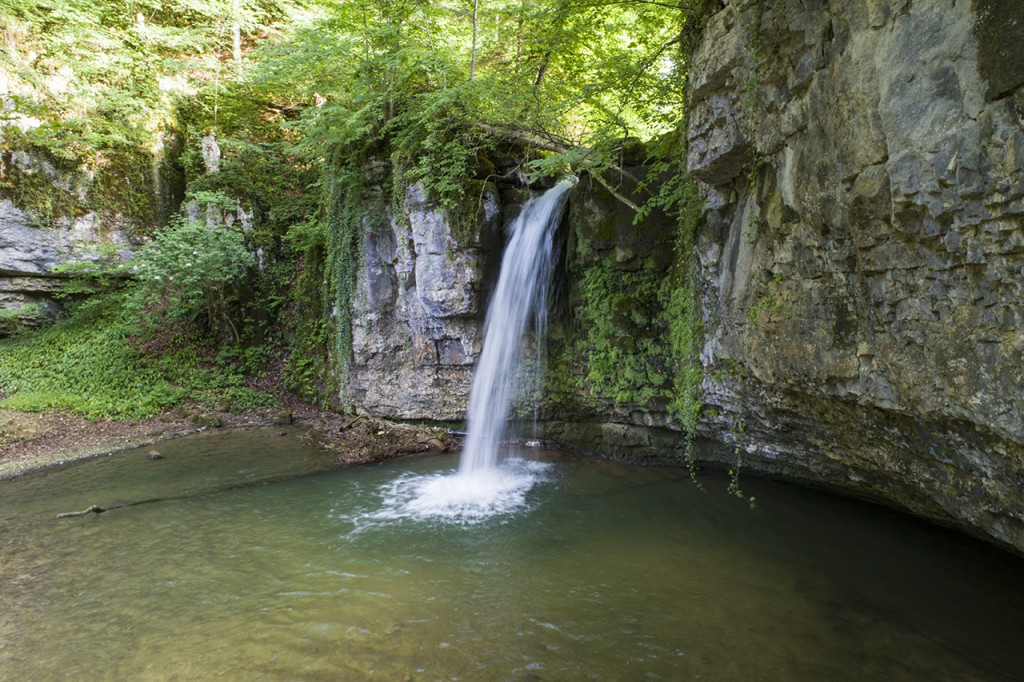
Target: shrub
187, 273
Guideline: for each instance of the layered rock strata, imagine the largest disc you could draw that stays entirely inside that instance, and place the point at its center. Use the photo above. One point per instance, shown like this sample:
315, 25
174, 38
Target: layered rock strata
864, 249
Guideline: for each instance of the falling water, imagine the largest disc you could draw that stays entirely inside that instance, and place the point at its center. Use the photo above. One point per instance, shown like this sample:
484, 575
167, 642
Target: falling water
521, 291
482, 488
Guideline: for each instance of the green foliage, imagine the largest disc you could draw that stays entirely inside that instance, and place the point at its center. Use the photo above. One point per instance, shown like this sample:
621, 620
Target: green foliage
407, 83
53, 189
736, 432
245, 398
623, 338
432, 144
95, 86
16, 320
188, 272
426, 85
682, 291
27, 310
307, 370
325, 102
30, 186
105, 271
257, 171
637, 331
92, 365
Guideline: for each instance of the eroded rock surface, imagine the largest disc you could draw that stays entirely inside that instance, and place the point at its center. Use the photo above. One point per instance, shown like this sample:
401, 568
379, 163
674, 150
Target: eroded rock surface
30, 253
864, 255
417, 317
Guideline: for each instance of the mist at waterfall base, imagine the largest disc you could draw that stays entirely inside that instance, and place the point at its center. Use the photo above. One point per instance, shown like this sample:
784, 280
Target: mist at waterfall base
485, 485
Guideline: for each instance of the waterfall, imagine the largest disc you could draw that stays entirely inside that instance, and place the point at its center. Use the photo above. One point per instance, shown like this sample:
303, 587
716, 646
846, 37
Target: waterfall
521, 293
481, 488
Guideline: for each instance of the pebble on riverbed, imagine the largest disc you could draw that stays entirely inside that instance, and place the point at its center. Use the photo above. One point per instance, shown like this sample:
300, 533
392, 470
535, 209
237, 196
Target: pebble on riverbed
154, 454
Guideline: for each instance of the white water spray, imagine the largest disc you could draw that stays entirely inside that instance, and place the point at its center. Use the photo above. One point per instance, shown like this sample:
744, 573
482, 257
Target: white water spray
481, 488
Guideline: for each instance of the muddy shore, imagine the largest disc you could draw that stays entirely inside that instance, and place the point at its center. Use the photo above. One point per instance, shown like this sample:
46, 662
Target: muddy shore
30, 441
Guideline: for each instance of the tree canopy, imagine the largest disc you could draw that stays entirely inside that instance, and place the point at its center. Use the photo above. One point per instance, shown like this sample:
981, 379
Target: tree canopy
426, 81
431, 78
302, 97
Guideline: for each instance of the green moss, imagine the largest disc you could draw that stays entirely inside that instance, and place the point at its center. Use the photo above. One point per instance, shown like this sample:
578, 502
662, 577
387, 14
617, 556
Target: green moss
34, 190
307, 369
770, 305
348, 213
53, 190
17, 320
124, 187
683, 311
466, 217
595, 228
633, 335
623, 344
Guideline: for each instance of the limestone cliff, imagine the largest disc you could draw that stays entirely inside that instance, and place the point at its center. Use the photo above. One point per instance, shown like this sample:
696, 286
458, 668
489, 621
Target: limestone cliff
29, 253
863, 254
416, 319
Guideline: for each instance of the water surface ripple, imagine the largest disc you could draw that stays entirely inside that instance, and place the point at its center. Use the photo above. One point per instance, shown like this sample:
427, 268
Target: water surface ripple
257, 567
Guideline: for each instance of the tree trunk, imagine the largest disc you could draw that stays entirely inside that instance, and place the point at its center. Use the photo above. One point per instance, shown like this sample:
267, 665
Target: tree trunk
236, 43
472, 58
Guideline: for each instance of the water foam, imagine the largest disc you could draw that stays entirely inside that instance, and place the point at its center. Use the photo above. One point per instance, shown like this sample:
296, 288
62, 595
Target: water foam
463, 498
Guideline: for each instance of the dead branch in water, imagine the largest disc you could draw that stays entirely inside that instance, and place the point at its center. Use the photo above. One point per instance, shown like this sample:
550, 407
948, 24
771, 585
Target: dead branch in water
94, 509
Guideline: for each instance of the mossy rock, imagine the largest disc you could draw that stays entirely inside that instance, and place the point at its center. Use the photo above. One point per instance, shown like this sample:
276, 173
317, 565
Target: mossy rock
206, 420
603, 223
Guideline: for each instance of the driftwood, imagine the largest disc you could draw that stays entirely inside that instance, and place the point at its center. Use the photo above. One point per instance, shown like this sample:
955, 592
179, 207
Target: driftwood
94, 509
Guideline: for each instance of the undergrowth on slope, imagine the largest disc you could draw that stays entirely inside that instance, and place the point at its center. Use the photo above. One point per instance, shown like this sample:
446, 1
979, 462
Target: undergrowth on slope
95, 365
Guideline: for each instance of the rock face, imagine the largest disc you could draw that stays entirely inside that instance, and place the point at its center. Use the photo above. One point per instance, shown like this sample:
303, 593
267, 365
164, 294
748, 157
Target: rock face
863, 255
53, 213
29, 251
416, 322
29, 254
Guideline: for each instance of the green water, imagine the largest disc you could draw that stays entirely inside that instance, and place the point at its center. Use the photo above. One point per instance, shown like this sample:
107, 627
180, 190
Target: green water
609, 573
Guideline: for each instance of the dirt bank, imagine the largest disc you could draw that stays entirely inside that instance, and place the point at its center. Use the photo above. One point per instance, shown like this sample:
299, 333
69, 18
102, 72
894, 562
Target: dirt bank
36, 440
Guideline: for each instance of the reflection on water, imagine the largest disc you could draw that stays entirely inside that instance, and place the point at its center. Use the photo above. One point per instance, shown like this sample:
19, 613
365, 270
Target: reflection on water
245, 569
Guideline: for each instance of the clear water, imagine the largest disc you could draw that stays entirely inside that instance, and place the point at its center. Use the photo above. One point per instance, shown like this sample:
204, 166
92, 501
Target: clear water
604, 572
